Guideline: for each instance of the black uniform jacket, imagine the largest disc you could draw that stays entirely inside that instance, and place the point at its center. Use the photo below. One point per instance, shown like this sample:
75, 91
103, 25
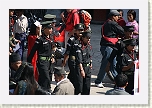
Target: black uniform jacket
111, 30
125, 59
43, 46
73, 41
83, 54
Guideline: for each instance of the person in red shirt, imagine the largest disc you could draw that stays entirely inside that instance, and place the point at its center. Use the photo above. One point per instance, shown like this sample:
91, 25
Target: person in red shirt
35, 32
71, 20
121, 21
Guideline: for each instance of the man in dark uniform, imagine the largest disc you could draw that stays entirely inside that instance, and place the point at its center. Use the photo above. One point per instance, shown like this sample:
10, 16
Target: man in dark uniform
126, 63
117, 51
110, 32
50, 19
70, 52
44, 47
83, 65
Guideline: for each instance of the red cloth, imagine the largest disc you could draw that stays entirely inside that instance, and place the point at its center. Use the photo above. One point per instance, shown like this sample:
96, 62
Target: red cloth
121, 22
60, 38
72, 20
31, 41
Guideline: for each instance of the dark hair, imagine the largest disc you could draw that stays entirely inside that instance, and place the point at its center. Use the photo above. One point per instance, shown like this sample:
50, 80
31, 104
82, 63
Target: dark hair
28, 75
33, 29
120, 10
121, 80
133, 13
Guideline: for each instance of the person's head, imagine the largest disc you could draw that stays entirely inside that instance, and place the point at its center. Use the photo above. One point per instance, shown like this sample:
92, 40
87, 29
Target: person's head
28, 72
121, 80
35, 28
69, 10
19, 12
128, 31
131, 15
15, 61
114, 15
11, 12
51, 18
78, 28
120, 12
47, 29
86, 37
130, 44
28, 75
59, 74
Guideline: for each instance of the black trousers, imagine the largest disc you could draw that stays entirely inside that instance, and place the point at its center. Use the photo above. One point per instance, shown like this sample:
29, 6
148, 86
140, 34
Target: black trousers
72, 74
44, 77
130, 85
83, 84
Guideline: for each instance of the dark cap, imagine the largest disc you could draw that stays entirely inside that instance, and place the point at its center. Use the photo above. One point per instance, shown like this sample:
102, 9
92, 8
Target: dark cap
11, 9
128, 28
49, 17
114, 13
14, 57
59, 70
79, 26
131, 42
46, 24
86, 34
19, 10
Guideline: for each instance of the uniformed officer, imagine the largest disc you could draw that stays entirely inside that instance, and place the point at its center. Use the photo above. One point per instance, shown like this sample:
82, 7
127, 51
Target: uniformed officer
125, 63
44, 46
50, 19
83, 65
118, 49
70, 51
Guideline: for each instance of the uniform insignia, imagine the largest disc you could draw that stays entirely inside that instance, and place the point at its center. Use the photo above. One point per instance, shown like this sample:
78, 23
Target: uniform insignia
130, 60
84, 53
79, 45
122, 54
72, 38
68, 44
45, 42
36, 42
75, 44
78, 51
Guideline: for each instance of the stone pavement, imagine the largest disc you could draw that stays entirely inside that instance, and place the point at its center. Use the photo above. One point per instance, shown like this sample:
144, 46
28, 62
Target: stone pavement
95, 41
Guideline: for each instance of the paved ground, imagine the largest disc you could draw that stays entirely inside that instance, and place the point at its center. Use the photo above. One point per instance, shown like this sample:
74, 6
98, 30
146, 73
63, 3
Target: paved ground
95, 40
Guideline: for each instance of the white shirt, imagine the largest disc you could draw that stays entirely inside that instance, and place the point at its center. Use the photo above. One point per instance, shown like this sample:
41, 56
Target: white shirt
21, 24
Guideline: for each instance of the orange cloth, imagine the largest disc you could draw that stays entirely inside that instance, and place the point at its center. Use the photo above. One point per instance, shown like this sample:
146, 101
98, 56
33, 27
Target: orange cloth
61, 37
31, 42
72, 20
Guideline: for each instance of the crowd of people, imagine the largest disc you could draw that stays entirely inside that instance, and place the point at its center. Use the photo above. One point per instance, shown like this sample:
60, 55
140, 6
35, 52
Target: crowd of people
34, 77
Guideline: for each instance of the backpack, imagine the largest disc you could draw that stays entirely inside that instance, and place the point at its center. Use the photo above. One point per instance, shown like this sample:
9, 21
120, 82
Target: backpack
85, 18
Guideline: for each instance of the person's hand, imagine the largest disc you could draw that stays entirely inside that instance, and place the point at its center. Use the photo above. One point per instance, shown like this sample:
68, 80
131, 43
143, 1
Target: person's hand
91, 66
63, 63
52, 60
18, 41
62, 15
107, 69
82, 73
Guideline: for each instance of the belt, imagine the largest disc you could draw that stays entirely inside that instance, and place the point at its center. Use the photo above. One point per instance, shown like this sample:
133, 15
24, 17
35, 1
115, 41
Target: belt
45, 58
86, 64
128, 73
72, 57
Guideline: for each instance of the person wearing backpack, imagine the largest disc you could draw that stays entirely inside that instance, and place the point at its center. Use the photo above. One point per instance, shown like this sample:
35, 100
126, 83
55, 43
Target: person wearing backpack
70, 20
